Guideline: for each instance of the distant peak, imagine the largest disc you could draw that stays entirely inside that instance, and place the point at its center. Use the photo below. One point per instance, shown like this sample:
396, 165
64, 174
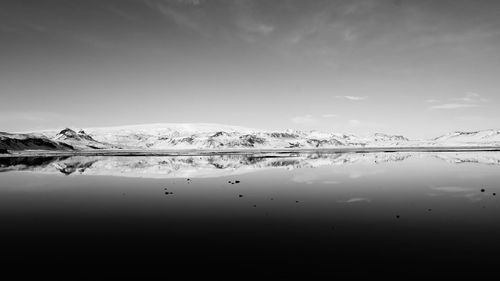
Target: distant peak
219, 134
68, 132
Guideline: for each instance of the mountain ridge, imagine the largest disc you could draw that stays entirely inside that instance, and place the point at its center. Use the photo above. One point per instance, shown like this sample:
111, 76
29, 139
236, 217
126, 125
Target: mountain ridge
162, 136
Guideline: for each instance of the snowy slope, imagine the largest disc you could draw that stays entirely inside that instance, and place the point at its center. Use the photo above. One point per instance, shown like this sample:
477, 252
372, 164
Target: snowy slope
173, 136
487, 137
215, 136
15, 142
80, 140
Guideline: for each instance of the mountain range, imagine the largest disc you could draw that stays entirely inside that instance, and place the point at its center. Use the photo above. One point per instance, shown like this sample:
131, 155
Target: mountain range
203, 136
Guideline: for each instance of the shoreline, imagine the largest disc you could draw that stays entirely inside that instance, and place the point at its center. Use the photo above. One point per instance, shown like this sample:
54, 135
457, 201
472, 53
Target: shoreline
207, 152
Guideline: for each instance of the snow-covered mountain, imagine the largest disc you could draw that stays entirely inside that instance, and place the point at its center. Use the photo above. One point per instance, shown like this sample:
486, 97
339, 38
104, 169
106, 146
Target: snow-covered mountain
215, 136
80, 140
30, 142
222, 137
487, 137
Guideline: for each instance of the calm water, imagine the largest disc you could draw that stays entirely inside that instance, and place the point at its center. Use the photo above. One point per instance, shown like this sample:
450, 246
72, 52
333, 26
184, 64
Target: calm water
289, 213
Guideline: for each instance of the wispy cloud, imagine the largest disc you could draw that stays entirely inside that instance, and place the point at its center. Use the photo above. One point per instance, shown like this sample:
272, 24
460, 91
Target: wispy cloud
453, 106
471, 98
352, 98
254, 27
468, 101
249, 23
179, 18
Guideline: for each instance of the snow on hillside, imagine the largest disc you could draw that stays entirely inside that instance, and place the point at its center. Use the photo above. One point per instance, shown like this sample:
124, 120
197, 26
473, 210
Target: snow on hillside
215, 136
30, 142
172, 136
487, 137
80, 140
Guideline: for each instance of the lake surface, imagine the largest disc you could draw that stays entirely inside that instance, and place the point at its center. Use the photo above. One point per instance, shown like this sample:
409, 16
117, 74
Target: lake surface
286, 213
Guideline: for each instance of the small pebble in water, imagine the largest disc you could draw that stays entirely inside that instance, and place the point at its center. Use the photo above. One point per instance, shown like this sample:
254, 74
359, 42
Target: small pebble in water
240, 195
482, 190
494, 194
397, 216
237, 181
296, 201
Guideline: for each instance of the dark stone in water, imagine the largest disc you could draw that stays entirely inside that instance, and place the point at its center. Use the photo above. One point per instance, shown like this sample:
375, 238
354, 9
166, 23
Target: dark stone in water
397, 216
237, 181
240, 195
494, 194
482, 190
296, 201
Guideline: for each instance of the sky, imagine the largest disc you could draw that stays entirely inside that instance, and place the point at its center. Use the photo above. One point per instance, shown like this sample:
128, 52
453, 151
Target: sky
417, 68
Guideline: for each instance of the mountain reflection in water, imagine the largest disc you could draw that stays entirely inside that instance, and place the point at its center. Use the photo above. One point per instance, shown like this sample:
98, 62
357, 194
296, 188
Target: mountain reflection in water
219, 165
